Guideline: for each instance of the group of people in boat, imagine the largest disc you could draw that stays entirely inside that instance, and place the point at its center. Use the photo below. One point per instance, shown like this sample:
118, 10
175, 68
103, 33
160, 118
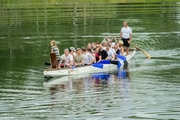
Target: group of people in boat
95, 51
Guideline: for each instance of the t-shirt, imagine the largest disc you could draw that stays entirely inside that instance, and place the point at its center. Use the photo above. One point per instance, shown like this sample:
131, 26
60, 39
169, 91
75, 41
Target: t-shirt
126, 31
118, 51
56, 51
67, 58
79, 58
110, 53
113, 51
87, 58
97, 56
103, 54
104, 48
113, 44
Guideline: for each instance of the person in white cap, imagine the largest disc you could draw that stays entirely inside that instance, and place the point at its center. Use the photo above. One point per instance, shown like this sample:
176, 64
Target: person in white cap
72, 51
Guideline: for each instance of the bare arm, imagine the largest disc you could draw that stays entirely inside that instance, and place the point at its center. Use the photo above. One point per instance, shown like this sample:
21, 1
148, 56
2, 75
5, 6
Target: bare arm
71, 63
122, 51
113, 57
120, 36
115, 39
82, 61
130, 37
92, 59
51, 50
100, 58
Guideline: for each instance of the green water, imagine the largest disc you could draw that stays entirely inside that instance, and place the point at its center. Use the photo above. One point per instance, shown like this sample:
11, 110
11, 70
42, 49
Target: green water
151, 91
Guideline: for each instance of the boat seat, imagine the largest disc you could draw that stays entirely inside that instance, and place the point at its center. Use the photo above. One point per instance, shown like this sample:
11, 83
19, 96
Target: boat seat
53, 59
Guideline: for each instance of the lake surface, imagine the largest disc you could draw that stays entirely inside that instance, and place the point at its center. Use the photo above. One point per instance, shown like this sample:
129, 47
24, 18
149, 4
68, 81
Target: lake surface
150, 90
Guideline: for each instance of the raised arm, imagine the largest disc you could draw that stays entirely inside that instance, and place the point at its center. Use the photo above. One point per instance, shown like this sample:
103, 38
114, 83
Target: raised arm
113, 56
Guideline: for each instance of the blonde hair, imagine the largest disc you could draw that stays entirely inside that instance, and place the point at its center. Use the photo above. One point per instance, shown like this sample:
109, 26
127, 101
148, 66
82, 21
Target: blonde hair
53, 43
121, 42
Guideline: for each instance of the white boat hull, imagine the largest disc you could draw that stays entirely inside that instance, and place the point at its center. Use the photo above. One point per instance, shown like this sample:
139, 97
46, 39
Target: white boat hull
85, 69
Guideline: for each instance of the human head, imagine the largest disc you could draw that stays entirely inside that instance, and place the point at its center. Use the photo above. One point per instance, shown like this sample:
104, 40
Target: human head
96, 50
104, 44
125, 24
108, 46
100, 47
66, 51
93, 45
83, 49
89, 50
72, 49
116, 45
53, 43
121, 43
78, 51
89, 46
97, 44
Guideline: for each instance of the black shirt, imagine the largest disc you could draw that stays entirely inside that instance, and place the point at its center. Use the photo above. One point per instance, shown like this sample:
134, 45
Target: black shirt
103, 54
118, 52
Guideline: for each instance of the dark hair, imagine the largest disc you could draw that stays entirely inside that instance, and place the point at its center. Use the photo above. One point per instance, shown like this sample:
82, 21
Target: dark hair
69, 49
95, 48
83, 49
89, 50
97, 42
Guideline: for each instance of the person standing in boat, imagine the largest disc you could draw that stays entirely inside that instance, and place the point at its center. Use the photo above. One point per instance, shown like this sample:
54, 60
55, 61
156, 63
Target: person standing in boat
126, 36
55, 49
68, 58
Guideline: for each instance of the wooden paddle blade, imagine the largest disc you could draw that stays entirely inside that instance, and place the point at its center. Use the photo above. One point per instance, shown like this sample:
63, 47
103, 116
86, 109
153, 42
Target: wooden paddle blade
149, 56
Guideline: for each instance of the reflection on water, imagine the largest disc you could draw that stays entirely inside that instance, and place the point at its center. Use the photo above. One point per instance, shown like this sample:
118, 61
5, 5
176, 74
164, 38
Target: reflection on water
88, 82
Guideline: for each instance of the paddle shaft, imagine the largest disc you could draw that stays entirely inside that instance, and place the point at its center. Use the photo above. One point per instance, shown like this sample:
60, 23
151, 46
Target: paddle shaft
141, 50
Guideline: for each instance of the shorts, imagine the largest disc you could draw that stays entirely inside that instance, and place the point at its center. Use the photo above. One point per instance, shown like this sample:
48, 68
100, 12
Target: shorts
125, 40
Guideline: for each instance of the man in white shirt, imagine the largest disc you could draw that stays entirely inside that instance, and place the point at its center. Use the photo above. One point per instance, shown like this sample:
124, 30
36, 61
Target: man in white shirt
126, 36
68, 58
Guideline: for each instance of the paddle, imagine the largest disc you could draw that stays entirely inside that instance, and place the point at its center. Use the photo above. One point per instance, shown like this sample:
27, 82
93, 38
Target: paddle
149, 56
103, 41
